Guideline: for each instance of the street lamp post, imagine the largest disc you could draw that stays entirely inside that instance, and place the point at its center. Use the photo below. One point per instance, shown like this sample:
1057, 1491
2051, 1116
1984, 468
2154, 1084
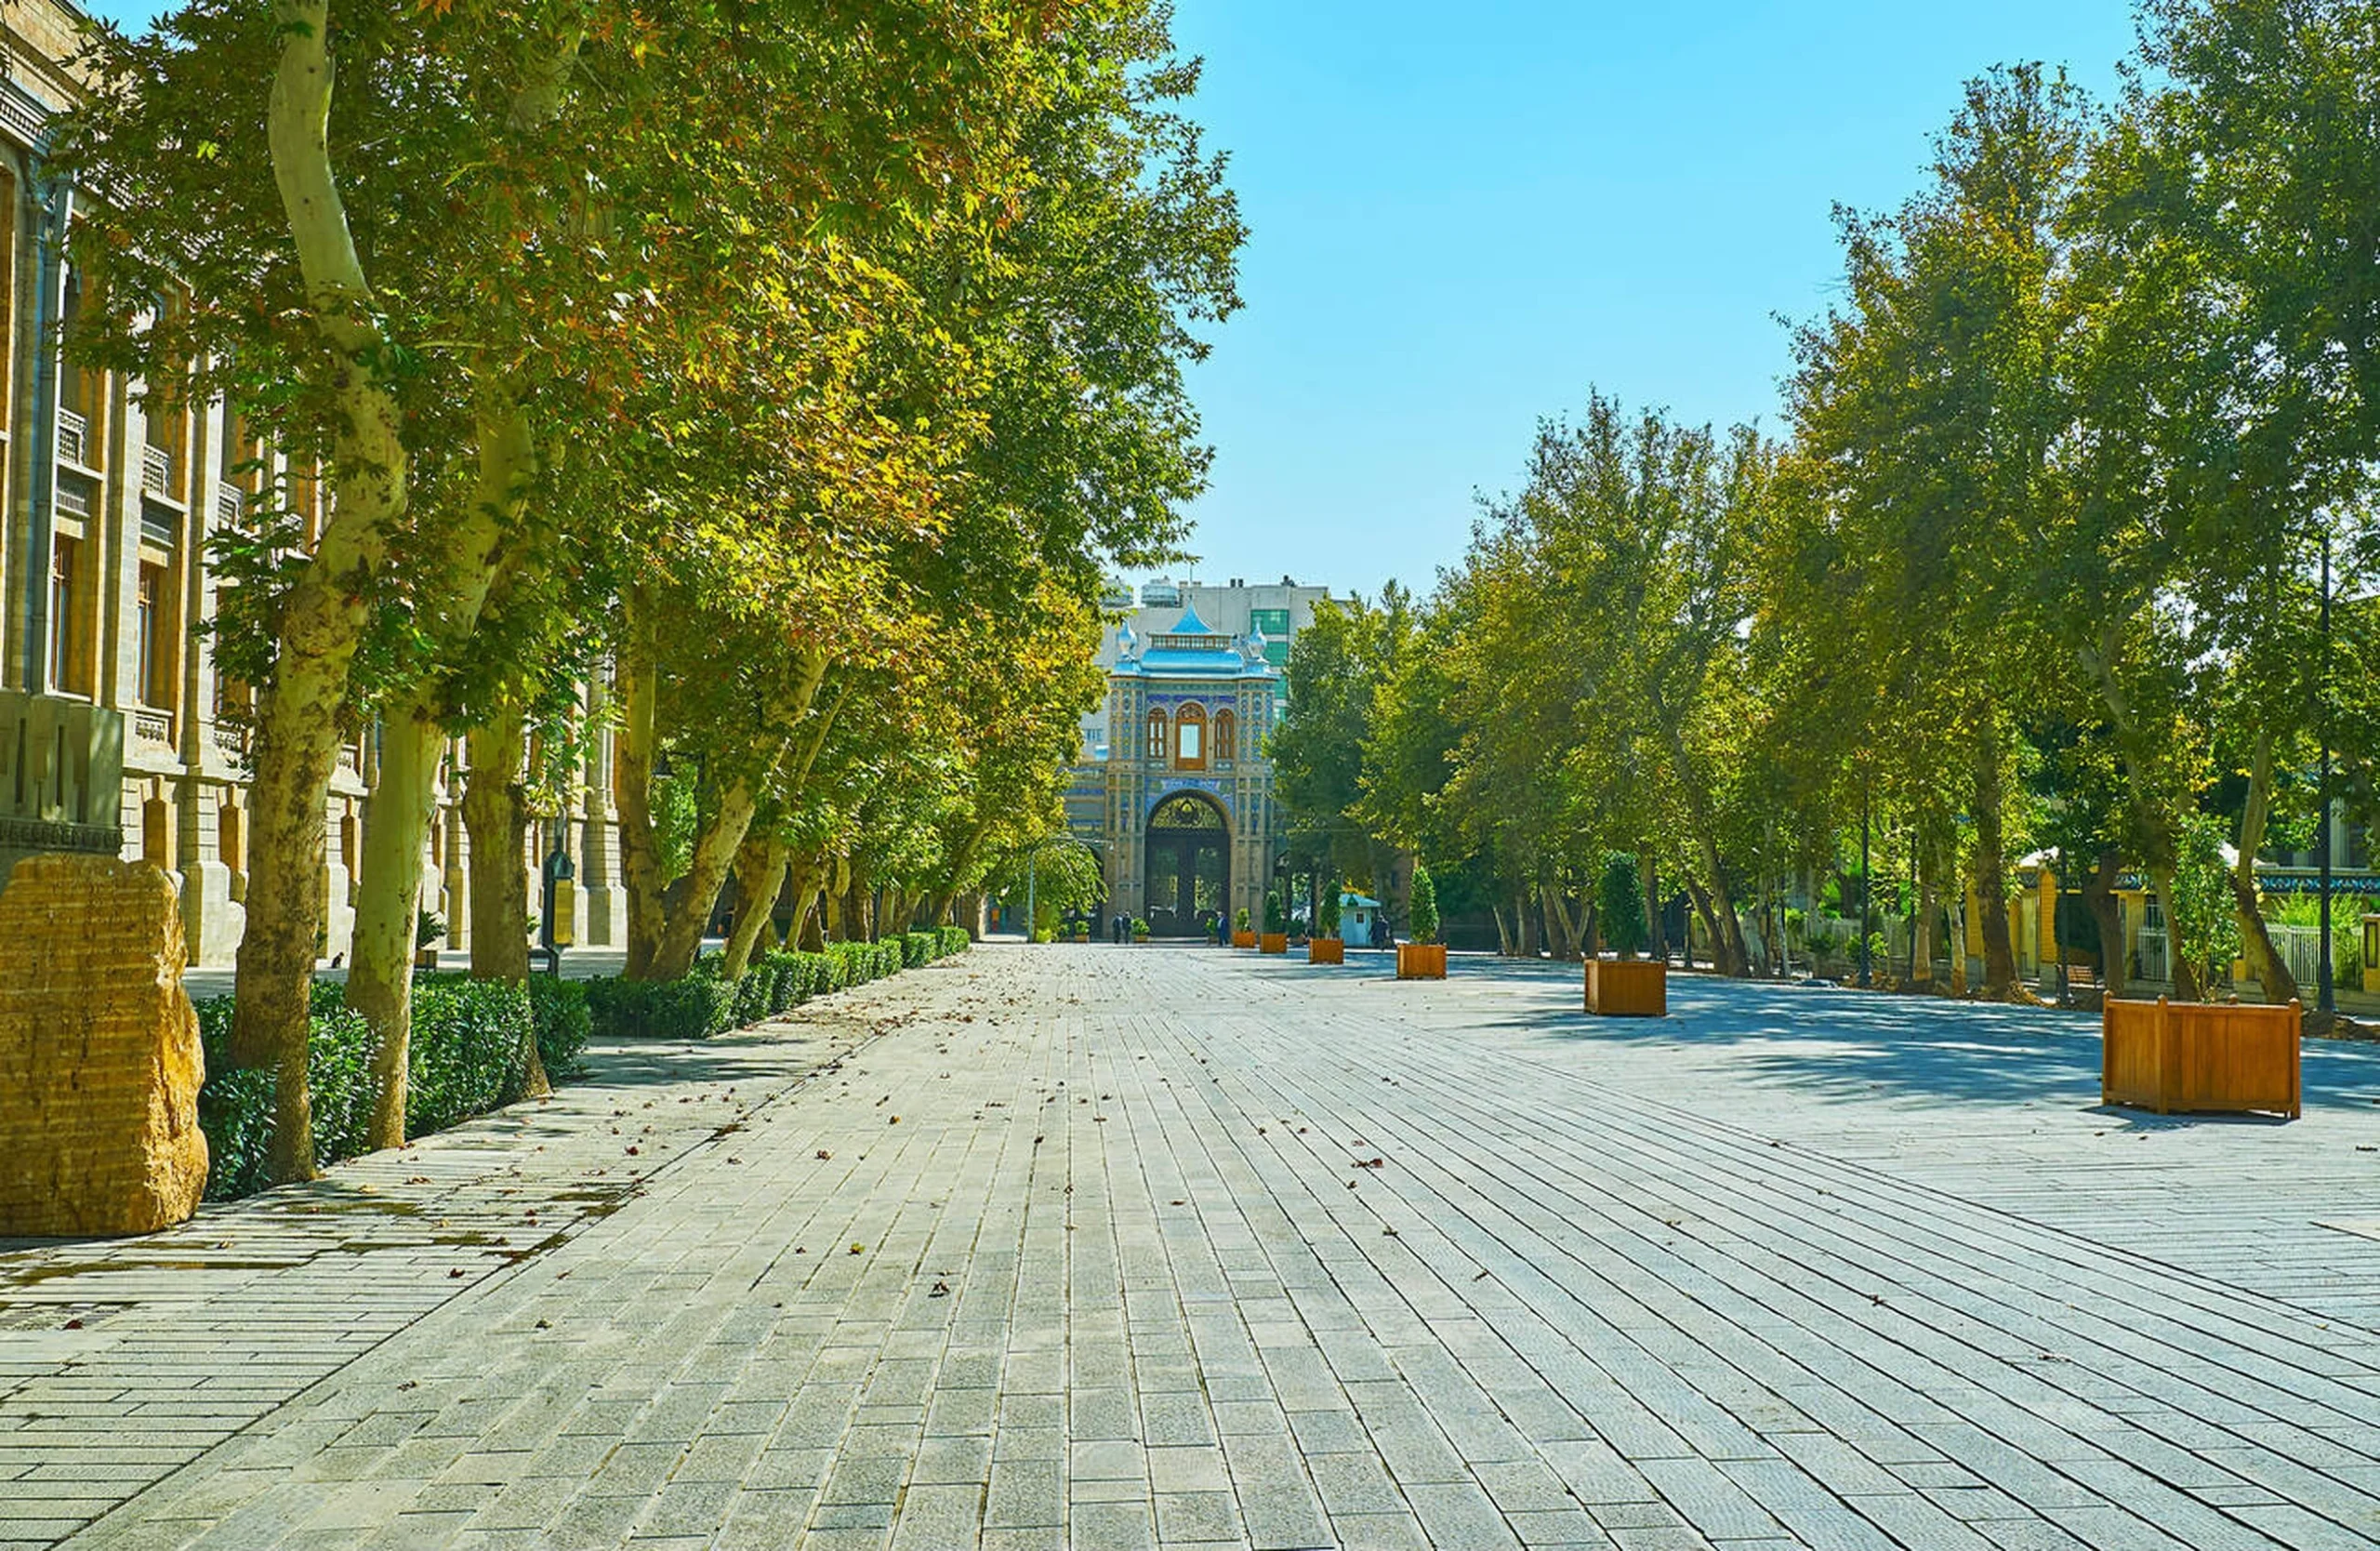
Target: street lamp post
2326, 994
558, 926
1867, 805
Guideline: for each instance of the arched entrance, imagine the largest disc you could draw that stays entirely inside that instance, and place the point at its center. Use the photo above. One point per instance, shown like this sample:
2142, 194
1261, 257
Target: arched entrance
1189, 865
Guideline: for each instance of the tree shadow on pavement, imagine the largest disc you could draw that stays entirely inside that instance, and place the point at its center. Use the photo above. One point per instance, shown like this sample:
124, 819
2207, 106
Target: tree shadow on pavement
1856, 1043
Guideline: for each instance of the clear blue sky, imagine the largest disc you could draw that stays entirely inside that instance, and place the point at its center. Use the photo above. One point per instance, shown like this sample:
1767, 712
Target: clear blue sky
1463, 218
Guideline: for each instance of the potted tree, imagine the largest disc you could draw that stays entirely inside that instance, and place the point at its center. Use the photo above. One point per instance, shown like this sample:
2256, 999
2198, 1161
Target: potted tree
1242, 933
1326, 947
1140, 930
1277, 927
1625, 987
428, 927
1425, 958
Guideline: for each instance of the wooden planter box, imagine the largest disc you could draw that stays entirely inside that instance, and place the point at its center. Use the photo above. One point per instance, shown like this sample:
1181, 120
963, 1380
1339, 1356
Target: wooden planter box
1326, 950
2192, 1059
1243, 939
1421, 960
1273, 942
1628, 987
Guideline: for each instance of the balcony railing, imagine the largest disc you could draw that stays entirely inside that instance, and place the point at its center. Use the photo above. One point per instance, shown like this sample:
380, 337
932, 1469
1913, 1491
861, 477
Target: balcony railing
158, 472
152, 726
74, 437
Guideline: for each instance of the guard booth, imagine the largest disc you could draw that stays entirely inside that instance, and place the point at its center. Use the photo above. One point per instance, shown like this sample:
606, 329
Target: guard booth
1357, 913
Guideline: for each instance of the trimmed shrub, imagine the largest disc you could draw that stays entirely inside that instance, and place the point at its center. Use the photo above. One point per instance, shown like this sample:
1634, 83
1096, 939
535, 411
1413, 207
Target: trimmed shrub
752, 996
1619, 904
467, 1054
558, 1009
695, 1008
1423, 907
951, 940
783, 973
235, 1108
470, 1051
865, 962
917, 949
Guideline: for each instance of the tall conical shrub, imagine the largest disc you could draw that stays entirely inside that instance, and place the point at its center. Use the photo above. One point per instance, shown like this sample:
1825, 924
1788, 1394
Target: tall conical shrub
1424, 912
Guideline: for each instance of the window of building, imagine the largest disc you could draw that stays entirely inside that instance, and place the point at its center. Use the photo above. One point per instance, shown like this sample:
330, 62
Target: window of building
65, 672
145, 628
231, 694
1190, 738
1226, 734
1157, 734
227, 837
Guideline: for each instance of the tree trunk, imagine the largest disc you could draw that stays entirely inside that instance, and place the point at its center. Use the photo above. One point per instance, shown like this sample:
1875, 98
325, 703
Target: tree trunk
801, 881
1504, 944
810, 919
495, 813
1921, 968
1727, 950
637, 689
715, 846
272, 1021
2178, 953
1700, 900
454, 590
2100, 898
379, 976
2265, 961
759, 874
1656, 940
297, 731
1562, 926
722, 831
1958, 940
1991, 873
1529, 926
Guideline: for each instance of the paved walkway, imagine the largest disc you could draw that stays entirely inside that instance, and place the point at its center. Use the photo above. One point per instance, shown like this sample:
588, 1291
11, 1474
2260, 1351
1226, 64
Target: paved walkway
1109, 1247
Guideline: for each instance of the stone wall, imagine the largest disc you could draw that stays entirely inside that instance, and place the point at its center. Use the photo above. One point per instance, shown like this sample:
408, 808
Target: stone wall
99, 1062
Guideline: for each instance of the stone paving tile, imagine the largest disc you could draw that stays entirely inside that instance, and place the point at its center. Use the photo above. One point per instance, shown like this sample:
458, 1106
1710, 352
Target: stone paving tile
1090, 1250
188, 1337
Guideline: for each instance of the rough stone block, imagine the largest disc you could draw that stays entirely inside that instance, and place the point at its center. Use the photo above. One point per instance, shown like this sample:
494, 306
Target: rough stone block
99, 1062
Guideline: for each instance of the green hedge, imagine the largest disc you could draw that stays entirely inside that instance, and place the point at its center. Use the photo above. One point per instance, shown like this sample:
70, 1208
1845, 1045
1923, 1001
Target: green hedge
563, 1022
470, 1052
703, 1004
467, 1054
866, 961
695, 1008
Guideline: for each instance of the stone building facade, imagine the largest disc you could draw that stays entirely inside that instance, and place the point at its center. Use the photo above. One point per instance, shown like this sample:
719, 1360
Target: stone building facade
1175, 787
107, 686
